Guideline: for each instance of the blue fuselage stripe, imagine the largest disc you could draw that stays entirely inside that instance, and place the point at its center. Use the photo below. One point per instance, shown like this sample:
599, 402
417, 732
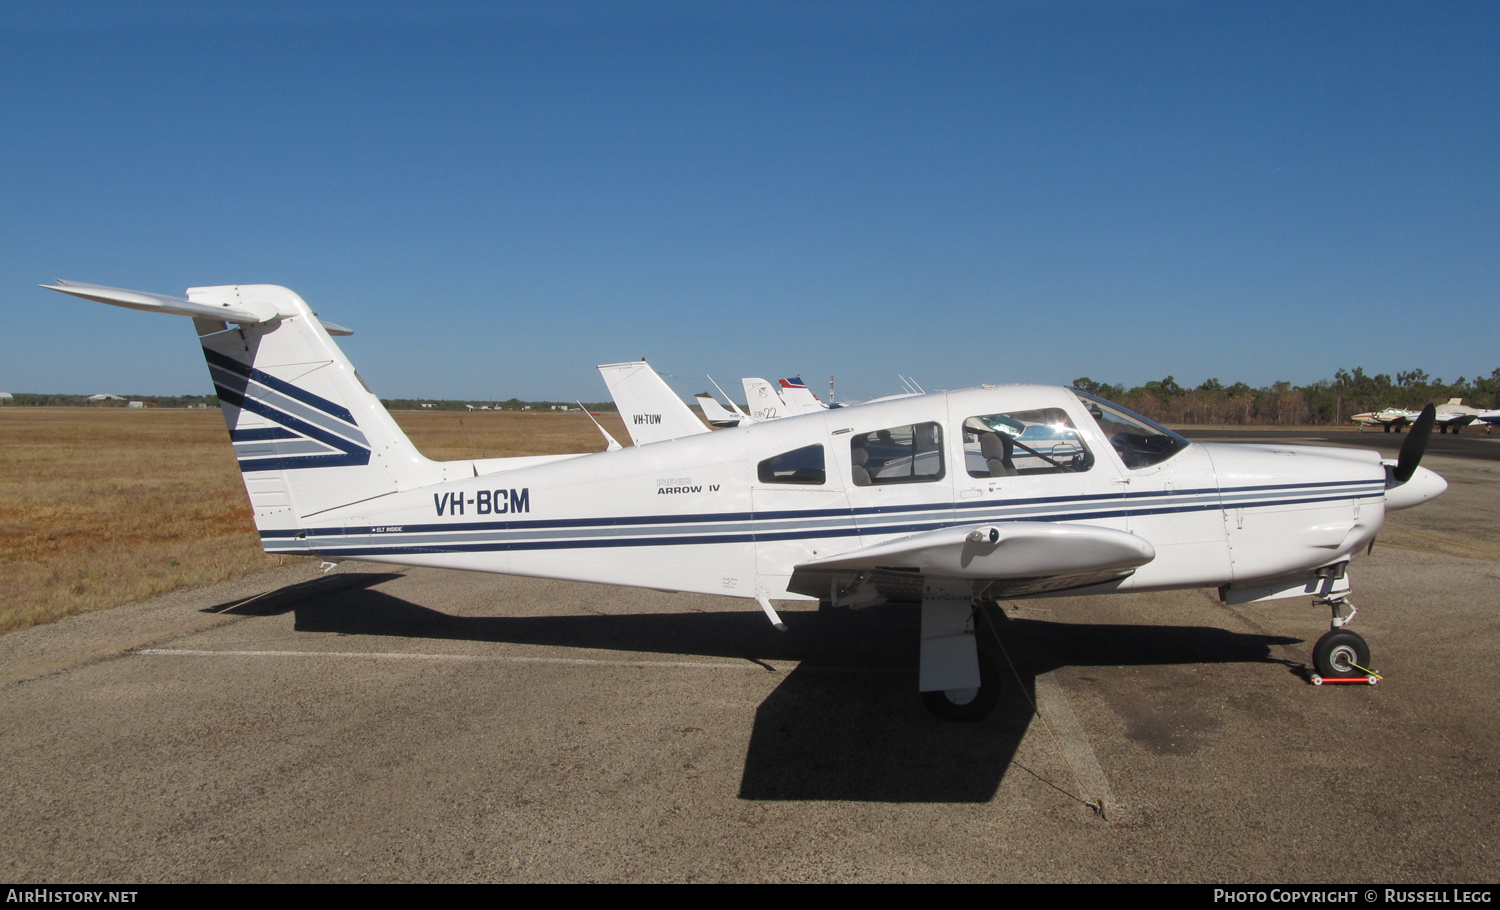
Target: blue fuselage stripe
743, 527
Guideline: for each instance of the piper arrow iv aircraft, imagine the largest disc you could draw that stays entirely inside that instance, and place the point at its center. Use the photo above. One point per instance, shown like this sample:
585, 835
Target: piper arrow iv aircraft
944, 500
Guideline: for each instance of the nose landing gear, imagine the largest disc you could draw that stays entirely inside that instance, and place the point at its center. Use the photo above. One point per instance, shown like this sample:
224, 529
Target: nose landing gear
1340, 654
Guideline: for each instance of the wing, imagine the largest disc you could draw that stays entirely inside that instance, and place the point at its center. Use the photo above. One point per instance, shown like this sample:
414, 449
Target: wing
1013, 558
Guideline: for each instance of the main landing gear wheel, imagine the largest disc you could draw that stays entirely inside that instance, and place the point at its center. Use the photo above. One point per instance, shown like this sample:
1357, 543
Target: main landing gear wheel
1340, 654
967, 705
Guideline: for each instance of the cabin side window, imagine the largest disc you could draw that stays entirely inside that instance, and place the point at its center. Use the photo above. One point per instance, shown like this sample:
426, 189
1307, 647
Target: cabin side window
804, 465
1021, 443
909, 454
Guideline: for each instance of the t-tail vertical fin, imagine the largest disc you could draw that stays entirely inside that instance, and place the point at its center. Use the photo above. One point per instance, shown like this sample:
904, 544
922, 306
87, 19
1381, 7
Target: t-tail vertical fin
308, 433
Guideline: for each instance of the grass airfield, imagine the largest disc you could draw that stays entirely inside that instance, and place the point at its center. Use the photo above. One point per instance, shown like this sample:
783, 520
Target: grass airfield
104, 506
387, 723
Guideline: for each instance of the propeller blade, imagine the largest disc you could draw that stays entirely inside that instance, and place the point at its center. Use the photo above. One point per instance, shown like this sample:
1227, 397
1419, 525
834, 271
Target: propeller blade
1415, 445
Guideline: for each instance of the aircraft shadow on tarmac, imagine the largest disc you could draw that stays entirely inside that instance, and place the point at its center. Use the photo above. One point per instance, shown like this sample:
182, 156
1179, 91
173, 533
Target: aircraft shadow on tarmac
845, 724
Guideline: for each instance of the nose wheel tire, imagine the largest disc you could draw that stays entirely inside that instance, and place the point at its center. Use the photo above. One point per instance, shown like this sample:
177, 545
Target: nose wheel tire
967, 704
1340, 654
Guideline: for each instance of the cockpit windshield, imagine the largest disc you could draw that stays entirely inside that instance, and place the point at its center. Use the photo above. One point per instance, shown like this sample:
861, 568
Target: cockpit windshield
1139, 442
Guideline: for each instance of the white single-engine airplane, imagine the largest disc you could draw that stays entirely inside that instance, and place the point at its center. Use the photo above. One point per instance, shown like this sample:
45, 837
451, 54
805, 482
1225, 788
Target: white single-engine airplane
946, 500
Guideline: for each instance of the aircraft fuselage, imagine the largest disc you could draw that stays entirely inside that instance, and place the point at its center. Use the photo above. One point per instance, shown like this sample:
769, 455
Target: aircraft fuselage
696, 514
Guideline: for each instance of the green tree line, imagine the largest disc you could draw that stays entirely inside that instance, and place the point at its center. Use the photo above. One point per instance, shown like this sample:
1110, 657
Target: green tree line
1327, 401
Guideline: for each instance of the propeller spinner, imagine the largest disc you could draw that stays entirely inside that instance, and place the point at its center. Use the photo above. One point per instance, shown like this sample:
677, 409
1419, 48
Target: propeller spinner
1407, 483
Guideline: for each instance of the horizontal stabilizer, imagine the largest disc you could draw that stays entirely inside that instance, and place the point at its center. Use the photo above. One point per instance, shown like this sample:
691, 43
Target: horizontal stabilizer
244, 312
163, 303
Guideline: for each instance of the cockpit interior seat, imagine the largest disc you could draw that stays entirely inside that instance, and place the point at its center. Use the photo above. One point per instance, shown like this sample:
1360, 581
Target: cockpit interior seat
997, 451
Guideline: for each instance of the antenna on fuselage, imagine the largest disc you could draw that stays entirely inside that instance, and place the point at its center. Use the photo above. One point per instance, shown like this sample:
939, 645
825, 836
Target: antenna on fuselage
613, 443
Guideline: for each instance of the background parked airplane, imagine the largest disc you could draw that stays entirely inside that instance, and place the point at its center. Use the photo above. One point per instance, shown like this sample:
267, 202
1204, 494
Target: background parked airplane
1390, 418
651, 410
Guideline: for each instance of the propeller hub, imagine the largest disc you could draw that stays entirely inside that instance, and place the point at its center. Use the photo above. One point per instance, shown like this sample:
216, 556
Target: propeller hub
1423, 485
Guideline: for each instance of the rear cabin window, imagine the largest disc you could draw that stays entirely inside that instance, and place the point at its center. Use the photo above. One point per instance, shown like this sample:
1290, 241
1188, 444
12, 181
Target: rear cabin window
804, 465
909, 454
1021, 443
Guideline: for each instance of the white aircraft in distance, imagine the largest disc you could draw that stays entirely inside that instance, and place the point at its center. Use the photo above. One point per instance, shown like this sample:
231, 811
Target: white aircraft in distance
788, 398
762, 401
651, 410
798, 397
1458, 415
719, 416
1453, 414
1389, 418
948, 501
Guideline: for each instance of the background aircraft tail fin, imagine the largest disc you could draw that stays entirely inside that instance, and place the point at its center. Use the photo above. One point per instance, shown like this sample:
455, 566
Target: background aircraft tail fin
651, 410
761, 400
798, 397
716, 413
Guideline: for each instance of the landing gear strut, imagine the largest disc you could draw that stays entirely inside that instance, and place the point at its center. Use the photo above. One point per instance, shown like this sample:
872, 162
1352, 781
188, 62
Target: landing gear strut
957, 681
969, 704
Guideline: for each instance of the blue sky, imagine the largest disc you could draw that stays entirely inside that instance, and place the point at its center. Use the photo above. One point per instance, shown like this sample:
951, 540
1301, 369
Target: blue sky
498, 197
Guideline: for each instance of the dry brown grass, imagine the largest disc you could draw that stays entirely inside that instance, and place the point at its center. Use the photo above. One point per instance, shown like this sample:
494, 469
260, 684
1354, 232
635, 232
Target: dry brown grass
100, 507
450, 435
